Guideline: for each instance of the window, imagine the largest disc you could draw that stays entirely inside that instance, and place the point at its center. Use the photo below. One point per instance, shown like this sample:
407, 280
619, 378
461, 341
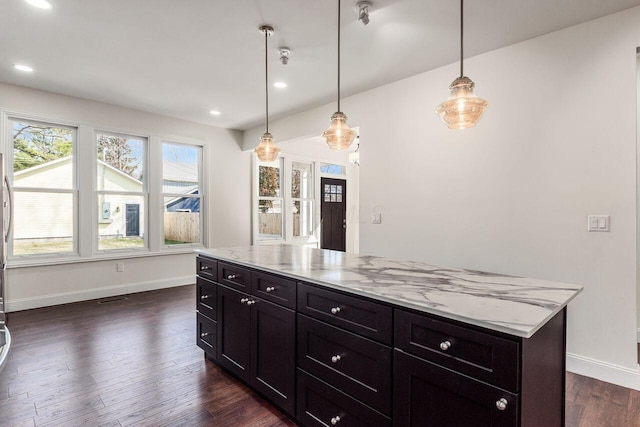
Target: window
181, 185
121, 190
332, 169
302, 197
270, 201
45, 188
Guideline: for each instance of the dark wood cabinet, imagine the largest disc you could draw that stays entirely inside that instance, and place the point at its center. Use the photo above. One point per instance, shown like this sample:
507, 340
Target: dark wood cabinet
365, 362
234, 332
426, 394
256, 341
320, 404
354, 364
273, 340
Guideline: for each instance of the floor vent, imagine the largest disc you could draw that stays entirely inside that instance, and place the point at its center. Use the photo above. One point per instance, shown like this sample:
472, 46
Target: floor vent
112, 299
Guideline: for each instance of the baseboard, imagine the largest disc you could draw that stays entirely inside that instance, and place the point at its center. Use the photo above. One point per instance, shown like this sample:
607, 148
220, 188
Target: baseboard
638, 334
603, 371
89, 294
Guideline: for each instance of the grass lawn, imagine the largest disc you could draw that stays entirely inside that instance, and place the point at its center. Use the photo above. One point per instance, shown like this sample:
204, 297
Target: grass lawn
62, 246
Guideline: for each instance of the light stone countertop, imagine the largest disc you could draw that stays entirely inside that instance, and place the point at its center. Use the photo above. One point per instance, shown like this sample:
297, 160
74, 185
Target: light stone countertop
513, 305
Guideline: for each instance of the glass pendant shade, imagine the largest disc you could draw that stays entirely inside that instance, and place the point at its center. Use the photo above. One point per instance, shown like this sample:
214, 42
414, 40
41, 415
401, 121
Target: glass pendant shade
267, 151
463, 109
339, 136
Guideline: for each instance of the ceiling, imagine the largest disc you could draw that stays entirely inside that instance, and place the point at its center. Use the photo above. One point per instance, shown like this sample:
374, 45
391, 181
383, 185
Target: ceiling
183, 58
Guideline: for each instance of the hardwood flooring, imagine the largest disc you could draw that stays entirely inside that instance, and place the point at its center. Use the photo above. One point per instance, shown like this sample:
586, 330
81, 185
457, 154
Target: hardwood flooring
134, 362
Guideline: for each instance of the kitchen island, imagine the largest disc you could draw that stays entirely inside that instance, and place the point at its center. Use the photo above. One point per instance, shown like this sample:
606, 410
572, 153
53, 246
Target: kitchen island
341, 339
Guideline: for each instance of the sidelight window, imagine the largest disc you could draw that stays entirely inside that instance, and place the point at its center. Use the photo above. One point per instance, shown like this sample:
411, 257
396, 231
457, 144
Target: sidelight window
270, 200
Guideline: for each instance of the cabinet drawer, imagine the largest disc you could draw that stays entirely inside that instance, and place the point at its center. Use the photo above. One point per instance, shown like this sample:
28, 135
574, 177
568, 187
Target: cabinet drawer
234, 276
206, 338
488, 358
207, 268
319, 404
356, 365
426, 394
274, 288
206, 293
354, 314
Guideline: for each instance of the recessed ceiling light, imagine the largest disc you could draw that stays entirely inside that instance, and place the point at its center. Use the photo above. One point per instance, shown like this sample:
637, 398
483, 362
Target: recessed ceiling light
41, 4
22, 67
214, 112
280, 85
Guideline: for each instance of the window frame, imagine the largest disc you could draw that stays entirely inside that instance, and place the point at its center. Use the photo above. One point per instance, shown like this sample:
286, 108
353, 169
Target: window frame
145, 193
256, 201
8, 118
202, 226
85, 203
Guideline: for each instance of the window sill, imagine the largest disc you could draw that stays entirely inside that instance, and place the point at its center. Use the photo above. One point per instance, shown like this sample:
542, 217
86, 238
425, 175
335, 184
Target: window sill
22, 263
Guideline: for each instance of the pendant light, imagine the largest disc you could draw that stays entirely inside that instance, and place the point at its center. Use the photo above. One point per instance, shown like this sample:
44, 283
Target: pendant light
339, 136
463, 109
267, 151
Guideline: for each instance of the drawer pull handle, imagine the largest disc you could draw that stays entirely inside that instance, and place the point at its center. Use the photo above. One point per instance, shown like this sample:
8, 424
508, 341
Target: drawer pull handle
270, 288
232, 276
335, 359
204, 297
335, 420
251, 302
445, 345
204, 267
204, 334
244, 300
335, 310
501, 404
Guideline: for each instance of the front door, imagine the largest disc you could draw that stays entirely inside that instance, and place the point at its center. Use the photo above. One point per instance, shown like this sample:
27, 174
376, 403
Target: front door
333, 213
133, 220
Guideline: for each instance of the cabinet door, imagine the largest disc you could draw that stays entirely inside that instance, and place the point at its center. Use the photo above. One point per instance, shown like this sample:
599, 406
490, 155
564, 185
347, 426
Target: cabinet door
273, 352
426, 395
234, 331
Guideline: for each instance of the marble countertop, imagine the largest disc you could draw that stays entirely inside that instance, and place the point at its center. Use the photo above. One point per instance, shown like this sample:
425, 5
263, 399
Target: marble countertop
514, 305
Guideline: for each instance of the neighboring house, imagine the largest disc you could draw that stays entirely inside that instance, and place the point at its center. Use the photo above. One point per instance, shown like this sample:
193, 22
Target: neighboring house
118, 214
180, 178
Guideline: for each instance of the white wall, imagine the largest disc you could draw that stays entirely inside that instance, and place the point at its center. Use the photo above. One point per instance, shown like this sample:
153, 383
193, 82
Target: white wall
513, 194
228, 185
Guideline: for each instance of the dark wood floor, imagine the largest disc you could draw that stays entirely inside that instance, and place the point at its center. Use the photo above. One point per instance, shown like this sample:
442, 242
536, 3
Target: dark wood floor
134, 362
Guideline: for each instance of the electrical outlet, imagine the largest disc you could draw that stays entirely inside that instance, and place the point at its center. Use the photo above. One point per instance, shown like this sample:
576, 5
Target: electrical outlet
120, 267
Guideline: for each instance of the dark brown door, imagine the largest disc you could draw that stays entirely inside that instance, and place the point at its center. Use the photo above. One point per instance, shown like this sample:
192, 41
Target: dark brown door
234, 326
333, 212
273, 353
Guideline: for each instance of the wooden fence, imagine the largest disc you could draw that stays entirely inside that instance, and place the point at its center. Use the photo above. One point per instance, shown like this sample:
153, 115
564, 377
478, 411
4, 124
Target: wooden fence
271, 224
182, 226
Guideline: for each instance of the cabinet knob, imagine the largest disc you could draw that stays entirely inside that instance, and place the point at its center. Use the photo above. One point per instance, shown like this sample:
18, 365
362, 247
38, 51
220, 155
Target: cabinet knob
232, 276
445, 345
270, 288
204, 334
204, 297
335, 359
335, 310
244, 300
335, 420
204, 267
501, 404
251, 302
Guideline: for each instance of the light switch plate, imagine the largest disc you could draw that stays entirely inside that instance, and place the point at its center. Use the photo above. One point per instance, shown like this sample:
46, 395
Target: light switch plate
376, 218
598, 223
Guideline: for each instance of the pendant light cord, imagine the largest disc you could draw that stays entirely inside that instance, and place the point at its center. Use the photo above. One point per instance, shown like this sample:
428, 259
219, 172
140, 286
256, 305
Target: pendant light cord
461, 38
266, 81
338, 55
